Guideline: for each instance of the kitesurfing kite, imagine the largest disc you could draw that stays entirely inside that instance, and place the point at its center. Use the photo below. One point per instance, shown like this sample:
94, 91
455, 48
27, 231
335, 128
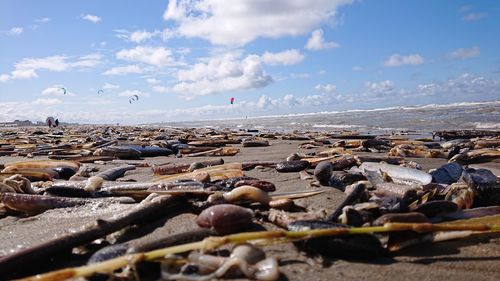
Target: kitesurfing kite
232, 100
133, 98
100, 91
63, 89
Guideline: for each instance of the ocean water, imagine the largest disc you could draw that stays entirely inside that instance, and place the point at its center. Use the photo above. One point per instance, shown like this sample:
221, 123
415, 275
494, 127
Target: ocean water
425, 118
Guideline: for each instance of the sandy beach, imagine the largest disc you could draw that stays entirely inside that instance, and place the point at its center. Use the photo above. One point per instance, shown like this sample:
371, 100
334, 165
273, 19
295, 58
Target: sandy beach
472, 258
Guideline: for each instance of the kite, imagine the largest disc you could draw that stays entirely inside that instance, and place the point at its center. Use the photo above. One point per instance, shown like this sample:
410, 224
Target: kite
232, 100
133, 98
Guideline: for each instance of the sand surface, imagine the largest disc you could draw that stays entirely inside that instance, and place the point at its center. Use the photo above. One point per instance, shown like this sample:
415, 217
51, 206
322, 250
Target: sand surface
473, 258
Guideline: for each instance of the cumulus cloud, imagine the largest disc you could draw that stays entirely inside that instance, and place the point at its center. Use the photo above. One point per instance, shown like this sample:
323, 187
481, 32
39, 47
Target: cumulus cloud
47, 102
221, 74
157, 56
121, 70
464, 53
56, 90
317, 42
109, 86
27, 68
399, 60
91, 18
473, 16
382, 88
13, 31
287, 57
246, 20
141, 35
327, 88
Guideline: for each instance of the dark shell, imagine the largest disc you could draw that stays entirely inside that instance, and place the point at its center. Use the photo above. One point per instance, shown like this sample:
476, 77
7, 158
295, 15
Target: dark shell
292, 166
225, 218
342, 179
260, 184
476, 177
151, 151
122, 152
228, 184
64, 172
437, 207
402, 217
108, 253
360, 246
447, 174
323, 172
352, 217
255, 143
485, 183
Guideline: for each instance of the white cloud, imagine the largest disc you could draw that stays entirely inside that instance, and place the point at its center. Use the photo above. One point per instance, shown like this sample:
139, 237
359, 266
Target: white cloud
153, 81
88, 61
157, 56
473, 16
328, 88
464, 53
121, 70
91, 18
317, 42
4, 78
399, 60
141, 35
42, 20
381, 88
47, 102
246, 20
56, 90
130, 93
23, 74
358, 68
27, 68
14, 31
221, 74
287, 57
110, 86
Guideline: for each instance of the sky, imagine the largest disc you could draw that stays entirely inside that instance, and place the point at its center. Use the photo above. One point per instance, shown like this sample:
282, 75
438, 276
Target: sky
84, 61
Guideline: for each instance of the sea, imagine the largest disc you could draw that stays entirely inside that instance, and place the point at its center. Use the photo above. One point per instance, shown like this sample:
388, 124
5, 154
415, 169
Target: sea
423, 118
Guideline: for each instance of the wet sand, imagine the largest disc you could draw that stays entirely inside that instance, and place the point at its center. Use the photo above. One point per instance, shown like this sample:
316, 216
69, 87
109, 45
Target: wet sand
473, 258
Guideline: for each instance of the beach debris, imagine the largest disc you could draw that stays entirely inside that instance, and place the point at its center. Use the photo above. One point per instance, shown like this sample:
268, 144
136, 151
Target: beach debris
114, 173
397, 173
389, 202
245, 260
476, 156
292, 166
255, 143
225, 218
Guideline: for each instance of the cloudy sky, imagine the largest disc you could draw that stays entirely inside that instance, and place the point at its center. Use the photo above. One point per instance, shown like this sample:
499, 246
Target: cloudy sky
186, 59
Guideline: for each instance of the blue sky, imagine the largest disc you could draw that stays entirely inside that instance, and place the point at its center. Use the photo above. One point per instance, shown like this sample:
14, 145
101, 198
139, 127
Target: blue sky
186, 59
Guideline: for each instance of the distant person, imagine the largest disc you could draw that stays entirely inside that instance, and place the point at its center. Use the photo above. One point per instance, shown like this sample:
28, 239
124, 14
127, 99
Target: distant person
49, 122
57, 122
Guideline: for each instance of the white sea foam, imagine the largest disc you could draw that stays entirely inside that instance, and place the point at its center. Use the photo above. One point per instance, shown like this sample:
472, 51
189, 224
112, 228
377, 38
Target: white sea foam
336, 126
487, 125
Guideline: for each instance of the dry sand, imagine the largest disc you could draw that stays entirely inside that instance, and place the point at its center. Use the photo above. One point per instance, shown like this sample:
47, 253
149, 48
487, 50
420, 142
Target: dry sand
474, 258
